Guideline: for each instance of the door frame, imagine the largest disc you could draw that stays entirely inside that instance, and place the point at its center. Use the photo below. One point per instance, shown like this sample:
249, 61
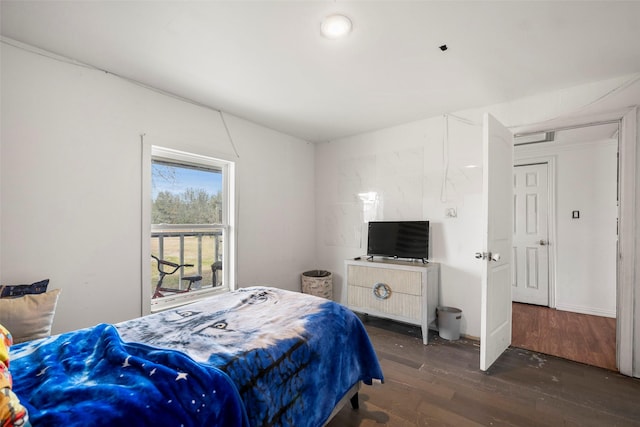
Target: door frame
551, 214
627, 320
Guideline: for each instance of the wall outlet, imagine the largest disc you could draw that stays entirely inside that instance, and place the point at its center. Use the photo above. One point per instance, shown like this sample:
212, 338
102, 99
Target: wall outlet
450, 212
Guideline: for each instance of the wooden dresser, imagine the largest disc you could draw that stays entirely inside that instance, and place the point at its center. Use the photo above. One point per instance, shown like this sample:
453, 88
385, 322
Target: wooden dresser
398, 290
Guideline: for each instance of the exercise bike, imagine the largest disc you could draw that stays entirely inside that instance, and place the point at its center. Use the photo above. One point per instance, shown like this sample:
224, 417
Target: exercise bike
192, 280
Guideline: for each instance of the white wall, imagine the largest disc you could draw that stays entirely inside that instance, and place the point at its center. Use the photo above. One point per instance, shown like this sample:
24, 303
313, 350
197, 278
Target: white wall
340, 175
71, 186
406, 166
585, 248
276, 237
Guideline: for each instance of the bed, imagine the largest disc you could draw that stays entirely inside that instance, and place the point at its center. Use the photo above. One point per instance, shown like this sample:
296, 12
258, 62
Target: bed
257, 356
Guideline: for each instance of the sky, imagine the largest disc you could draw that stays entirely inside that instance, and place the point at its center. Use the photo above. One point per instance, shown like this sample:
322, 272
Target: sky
183, 178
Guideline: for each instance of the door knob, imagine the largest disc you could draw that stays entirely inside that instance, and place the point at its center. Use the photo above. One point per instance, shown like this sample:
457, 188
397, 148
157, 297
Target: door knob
543, 242
489, 255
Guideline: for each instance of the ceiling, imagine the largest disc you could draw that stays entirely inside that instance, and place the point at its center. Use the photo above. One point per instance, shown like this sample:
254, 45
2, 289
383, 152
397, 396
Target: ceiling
266, 61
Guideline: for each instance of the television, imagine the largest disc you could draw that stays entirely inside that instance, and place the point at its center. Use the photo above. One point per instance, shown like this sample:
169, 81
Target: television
398, 239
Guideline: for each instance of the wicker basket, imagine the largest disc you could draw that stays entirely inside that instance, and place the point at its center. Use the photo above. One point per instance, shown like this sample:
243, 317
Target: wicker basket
318, 283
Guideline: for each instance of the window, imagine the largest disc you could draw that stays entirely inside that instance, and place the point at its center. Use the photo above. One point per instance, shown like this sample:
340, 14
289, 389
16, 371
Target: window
191, 220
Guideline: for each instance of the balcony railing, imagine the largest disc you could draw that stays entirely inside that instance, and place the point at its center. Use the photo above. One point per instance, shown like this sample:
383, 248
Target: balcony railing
201, 246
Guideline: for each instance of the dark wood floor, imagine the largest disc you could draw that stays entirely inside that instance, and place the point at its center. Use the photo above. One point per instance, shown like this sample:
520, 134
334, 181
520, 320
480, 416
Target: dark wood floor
574, 336
441, 385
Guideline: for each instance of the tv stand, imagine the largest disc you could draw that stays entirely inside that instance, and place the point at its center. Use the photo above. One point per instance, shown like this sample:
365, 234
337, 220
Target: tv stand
399, 290
424, 260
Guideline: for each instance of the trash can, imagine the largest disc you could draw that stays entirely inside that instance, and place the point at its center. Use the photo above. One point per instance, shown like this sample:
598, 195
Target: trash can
318, 283
449, 322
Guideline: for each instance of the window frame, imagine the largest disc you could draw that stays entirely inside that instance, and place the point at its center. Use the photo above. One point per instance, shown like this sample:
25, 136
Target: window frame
227, 167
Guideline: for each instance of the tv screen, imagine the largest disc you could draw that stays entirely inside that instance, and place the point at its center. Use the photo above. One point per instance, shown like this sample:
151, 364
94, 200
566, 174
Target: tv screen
399, 239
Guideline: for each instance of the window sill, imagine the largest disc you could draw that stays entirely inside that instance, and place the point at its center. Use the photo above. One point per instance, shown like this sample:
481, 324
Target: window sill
173, 301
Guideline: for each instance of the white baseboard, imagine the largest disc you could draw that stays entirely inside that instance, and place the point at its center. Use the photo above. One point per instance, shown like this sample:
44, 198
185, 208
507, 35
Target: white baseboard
586, 310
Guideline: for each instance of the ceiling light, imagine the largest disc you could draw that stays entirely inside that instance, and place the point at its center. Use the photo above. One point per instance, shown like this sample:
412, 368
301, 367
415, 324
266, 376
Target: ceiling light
335, 26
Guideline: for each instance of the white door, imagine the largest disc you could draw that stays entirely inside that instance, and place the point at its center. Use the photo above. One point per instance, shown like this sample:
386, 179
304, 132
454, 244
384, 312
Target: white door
495, 324
530, 234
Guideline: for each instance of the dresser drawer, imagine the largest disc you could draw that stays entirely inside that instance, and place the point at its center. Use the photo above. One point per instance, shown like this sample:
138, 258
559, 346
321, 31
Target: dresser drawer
400, 281
398, 304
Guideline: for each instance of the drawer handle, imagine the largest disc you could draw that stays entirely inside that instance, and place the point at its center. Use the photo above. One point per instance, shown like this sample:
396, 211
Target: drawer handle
381, 291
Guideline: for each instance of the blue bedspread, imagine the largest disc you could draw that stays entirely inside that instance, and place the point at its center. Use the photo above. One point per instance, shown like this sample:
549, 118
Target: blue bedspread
291, 356
257, 356
91, 378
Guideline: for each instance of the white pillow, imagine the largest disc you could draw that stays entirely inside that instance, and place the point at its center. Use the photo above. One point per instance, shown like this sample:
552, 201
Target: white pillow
30, 316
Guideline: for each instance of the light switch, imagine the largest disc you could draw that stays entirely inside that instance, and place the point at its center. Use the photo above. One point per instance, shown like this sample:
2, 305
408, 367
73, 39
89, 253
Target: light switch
575, 214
